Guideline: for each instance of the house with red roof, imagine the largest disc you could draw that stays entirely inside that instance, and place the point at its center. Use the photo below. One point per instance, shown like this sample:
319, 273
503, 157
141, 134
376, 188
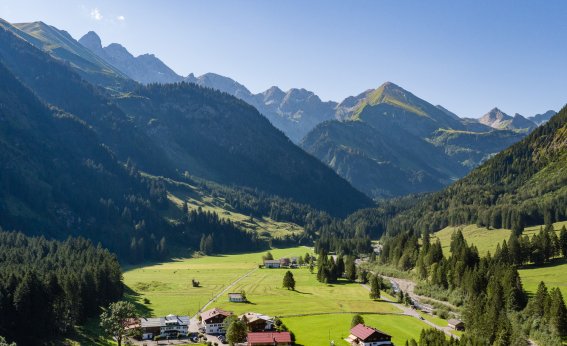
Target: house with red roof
213, 320
269, 339
362, 335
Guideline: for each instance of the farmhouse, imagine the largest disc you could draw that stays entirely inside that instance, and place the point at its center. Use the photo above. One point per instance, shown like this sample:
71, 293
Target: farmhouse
269, 339
285, 262
362, 335
257, 322
170, 325
213, 320
456, 324
271, 263
237, 298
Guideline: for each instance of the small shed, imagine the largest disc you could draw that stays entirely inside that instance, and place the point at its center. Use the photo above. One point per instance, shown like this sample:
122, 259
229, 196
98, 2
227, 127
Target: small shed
236, 298
456, 324
271, 263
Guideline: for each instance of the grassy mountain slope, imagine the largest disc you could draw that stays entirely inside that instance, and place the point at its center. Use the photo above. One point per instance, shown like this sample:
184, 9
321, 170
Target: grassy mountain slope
394, 143
63, 47
525, 184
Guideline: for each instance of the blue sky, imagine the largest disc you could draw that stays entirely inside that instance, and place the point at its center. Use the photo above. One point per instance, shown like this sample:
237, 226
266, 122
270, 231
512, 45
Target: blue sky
468, 56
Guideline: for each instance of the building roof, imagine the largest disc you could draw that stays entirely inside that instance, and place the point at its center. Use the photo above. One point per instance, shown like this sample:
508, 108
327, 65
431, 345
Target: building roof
269, 337
235, 295
254, 316
272, 261
162, 321
150, 322
214, 312
363, 332
454, 321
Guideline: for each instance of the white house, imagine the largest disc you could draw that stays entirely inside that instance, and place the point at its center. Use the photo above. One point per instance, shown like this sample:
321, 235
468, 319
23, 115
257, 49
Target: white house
271, 263
170, 325
213, 320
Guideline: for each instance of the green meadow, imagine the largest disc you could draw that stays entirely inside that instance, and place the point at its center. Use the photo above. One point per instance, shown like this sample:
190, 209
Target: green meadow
321, 330
329, 307
484, 239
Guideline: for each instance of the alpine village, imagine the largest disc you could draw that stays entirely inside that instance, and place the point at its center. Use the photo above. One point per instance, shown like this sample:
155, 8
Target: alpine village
139, 206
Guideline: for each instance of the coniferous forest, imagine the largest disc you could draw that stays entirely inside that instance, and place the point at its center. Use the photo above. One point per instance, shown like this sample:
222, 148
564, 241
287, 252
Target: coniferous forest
53, 285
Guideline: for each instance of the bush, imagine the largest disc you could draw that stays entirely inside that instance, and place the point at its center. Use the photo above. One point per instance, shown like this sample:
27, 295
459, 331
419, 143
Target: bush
146, 301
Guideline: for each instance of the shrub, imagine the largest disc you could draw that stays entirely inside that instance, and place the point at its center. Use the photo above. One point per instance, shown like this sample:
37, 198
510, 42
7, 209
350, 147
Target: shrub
146, 301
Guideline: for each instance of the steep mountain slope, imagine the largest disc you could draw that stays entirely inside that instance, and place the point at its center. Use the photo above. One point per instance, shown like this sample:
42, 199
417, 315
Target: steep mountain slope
384, 160
294, 112
145, 68
210, 134
437, 146
404, 109
525, 184
57, 179
219, 137
63, 47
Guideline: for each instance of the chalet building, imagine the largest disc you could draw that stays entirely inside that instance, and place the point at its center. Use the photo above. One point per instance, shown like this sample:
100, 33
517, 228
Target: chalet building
237, 298
456, 324
257, 322
362, 335
269, 339
271, 263
170, 325
213, 320
285, 262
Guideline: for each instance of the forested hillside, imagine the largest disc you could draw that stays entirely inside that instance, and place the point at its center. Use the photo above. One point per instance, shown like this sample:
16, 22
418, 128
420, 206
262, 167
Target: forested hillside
52, 285
275, 166
525, 184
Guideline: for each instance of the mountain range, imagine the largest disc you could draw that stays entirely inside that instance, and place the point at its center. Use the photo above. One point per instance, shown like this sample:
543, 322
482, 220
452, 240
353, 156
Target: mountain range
386, 142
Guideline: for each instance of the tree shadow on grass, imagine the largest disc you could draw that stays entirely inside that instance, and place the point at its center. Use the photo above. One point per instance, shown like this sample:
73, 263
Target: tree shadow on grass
136, 298
298, 291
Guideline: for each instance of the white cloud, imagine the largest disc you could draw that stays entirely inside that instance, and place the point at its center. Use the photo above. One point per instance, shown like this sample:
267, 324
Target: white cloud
95, 14
121, 18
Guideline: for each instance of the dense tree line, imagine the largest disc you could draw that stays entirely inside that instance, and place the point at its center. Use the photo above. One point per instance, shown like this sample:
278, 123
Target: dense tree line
521, 186
496, 308
219, 235
47, 287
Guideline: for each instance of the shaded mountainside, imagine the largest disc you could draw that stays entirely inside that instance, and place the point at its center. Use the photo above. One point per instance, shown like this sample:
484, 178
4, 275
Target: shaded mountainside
212, 134
525, 184
392, 143
385, 161
57, 179
219, 137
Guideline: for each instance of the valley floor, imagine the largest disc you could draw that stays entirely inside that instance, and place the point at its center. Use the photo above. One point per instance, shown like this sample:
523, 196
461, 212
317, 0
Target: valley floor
317, 313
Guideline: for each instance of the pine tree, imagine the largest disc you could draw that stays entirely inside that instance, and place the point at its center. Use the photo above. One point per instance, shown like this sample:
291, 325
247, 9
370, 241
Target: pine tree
374, 288
289, 281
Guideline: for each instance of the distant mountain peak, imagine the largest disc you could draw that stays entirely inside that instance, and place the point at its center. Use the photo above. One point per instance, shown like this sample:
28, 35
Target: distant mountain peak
91, 40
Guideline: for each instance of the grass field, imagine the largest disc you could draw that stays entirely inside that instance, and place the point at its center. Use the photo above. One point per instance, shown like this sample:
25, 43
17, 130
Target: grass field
168, 287
552, 274
320, 330
484, 239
